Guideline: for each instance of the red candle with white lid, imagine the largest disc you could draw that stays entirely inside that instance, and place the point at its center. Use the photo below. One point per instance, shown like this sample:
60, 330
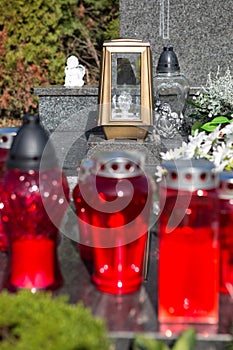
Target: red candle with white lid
188, 266
117, 201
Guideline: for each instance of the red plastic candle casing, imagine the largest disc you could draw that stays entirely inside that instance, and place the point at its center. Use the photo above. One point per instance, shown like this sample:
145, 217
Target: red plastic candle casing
34, 199
85, 244
32, 211
6, 137
188, 267
226, 232
117, 203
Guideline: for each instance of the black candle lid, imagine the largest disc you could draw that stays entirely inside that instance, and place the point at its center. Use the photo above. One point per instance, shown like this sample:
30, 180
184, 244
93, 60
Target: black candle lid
168, 61
31, 148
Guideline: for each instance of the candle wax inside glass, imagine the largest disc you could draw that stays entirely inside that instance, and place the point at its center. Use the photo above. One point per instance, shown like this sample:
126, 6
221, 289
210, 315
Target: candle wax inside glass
32, 263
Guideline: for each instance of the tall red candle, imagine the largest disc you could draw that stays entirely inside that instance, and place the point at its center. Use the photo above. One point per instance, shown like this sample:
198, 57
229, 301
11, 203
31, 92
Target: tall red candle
188, 266
226, 232
118, 201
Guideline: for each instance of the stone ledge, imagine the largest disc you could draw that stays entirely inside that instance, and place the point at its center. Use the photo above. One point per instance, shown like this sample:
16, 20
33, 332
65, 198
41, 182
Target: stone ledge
60, 90
86, 90
151, 150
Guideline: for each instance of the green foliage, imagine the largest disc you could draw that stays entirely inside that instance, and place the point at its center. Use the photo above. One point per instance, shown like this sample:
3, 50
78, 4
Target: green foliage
186, 341
39, 321
97, 21
37, 36
143, 343
211, 126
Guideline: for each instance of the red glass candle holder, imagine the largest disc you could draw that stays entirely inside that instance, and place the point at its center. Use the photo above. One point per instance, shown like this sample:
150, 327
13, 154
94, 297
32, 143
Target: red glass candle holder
85, 244
117, 203
188, 267
34, 199
33, 234
226, 232
6, 137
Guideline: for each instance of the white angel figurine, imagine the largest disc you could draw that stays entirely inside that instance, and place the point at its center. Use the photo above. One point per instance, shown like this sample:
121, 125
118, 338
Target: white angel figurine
74, 72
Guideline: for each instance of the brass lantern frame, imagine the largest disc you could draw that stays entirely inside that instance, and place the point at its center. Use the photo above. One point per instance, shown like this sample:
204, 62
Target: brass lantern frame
121, 127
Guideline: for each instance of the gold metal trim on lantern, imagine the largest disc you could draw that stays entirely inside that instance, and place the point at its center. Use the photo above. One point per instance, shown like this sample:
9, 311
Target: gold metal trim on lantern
121, 127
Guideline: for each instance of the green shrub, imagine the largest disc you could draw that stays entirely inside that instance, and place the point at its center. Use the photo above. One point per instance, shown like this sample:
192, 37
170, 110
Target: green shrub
186, 341
37, 36
39, 321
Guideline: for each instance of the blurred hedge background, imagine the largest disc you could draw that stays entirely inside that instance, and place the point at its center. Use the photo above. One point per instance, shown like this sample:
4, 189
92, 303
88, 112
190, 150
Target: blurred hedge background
37, 36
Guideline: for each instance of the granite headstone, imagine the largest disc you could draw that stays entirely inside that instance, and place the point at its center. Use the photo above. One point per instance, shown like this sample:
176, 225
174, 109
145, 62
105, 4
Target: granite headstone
200, 32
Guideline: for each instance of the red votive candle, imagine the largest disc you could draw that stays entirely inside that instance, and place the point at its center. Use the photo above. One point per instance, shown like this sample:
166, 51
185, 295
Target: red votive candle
188, 266
118, 201
85, 244
226, 232
6, 138
34, 199
34, 205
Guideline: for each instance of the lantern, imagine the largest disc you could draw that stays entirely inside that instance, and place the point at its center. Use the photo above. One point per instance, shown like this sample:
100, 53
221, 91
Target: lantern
171, 92
125, 91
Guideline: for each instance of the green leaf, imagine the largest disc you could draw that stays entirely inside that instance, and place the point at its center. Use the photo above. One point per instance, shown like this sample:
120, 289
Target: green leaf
142, 342
196, 126
220, 120
209, 127
186, 341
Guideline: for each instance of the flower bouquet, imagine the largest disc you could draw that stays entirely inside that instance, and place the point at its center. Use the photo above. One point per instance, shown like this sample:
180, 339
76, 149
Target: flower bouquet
216, 146
212, 134
213, 105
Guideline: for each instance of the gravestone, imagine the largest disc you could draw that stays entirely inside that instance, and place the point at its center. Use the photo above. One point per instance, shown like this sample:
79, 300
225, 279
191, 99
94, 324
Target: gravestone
68, 114
200, 32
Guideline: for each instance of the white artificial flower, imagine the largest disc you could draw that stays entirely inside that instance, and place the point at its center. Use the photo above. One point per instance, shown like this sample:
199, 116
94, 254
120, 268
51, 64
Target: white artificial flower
215, 134
190, 150
160, 171
229, 140
223, 157
228, 129
221, 166
175, 153
197, 138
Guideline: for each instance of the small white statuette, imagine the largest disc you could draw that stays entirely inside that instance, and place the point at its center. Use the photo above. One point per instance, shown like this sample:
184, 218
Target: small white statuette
74, 72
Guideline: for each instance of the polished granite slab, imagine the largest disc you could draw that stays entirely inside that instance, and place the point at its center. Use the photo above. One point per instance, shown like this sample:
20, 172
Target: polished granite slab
200, 32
